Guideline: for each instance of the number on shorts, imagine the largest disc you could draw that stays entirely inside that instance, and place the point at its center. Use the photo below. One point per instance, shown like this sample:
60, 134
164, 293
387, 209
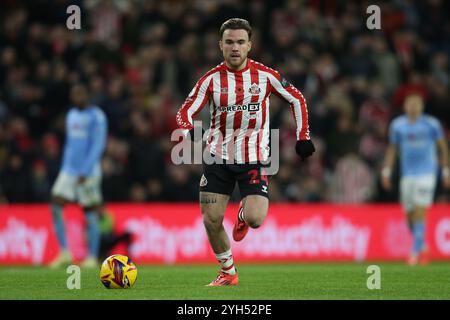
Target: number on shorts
254, 177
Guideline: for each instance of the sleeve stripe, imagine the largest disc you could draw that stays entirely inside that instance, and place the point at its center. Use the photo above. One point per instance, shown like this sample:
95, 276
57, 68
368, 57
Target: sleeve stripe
303, 132
193, 104
201, 97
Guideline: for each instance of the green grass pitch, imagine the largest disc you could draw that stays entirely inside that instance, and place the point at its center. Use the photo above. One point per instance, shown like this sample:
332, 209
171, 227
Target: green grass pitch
263, 281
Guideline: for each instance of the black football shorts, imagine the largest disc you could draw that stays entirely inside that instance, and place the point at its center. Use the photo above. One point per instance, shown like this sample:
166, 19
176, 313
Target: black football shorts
222, 178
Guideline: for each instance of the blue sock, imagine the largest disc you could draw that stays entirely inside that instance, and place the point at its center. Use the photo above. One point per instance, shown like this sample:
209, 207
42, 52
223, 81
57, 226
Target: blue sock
418, 230
59, 225
93, 233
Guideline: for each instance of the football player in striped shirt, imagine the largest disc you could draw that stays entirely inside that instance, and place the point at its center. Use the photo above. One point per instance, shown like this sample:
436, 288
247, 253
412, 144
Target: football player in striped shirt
237, 92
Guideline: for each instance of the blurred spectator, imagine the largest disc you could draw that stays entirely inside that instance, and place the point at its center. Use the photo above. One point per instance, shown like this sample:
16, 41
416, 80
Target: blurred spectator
352, 181
137, 193
145, 158
154, 190
15, 180
341, 141
40, 186
180, 185
386, 64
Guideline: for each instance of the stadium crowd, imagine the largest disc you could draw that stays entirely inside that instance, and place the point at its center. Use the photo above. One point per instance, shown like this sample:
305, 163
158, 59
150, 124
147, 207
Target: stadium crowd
141, 58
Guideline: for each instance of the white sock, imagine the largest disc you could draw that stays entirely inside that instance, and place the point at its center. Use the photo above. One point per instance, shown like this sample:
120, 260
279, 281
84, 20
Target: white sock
226, 262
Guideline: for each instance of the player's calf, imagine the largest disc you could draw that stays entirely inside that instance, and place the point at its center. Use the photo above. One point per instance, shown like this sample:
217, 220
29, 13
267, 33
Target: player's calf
56, 209
93, 234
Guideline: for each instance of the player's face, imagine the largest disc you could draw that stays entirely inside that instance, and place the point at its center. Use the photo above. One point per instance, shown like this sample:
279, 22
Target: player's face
414, 106
235, 46
79, 96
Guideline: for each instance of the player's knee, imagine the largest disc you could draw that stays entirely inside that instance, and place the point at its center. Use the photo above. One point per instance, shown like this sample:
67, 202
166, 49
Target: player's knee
254, 219
256, 223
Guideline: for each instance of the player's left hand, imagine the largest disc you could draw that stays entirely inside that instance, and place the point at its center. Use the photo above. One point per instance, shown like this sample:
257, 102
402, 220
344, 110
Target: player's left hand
304, 148
81, 180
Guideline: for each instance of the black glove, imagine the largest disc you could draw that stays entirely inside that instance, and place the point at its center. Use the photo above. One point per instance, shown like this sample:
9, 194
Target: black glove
194, 138
304, 148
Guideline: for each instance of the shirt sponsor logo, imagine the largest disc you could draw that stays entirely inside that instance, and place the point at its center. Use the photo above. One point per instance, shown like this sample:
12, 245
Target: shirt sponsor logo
245, 107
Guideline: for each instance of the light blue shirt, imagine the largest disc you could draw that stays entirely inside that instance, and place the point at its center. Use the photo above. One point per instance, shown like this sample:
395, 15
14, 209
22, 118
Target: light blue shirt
416, 142
86, 132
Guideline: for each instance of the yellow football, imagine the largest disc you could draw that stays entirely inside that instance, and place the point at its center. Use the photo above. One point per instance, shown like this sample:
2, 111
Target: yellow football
118, 272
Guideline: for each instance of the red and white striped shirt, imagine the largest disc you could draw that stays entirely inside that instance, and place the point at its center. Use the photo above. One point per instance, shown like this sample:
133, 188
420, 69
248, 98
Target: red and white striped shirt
239, 107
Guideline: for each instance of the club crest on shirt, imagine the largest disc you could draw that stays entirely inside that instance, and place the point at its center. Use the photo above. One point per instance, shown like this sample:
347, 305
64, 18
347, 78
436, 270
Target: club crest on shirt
224, 90
203, 181
254, 89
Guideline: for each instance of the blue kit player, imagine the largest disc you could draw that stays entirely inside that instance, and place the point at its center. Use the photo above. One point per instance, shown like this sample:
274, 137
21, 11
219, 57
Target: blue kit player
419, 141
79, 179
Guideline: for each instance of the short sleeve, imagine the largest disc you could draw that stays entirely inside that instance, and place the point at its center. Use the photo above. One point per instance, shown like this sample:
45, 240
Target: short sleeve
394, 134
